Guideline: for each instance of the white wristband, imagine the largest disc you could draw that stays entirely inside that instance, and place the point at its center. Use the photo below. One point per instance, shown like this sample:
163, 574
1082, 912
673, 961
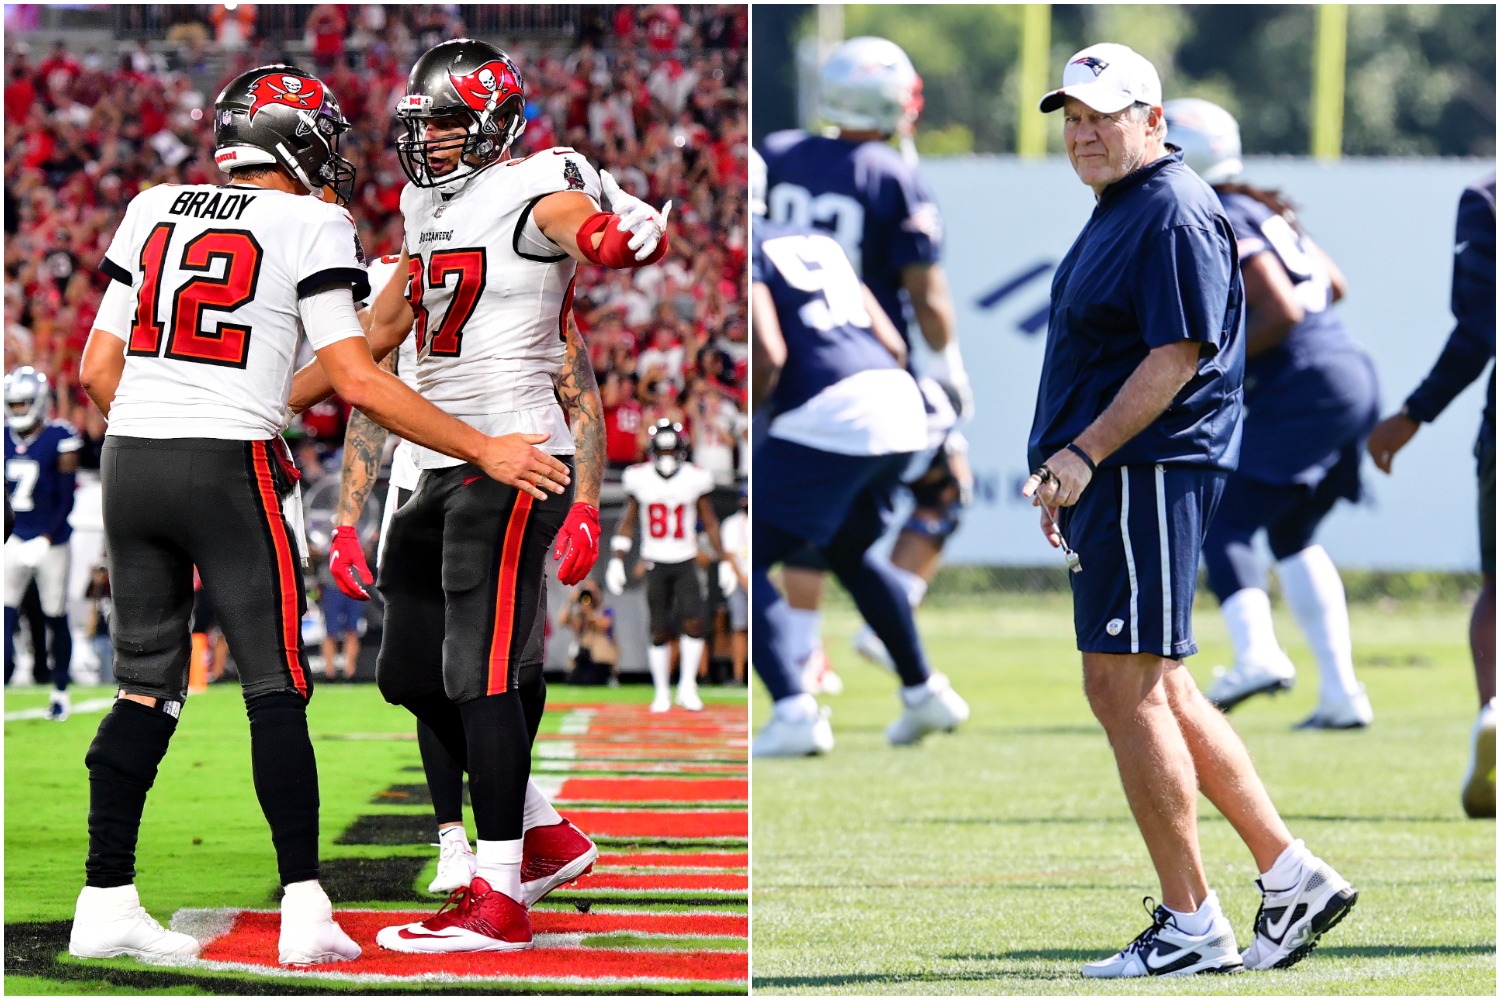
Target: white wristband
619, 545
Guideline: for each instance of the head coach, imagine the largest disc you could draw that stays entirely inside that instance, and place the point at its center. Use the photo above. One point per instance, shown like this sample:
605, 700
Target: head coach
1137, 425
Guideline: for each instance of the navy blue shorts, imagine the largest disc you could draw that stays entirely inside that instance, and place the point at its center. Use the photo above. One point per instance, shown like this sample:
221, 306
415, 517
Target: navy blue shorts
815, 494
341, 613
1138, 532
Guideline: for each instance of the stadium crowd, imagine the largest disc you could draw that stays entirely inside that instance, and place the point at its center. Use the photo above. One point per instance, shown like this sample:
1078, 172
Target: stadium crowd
654, 93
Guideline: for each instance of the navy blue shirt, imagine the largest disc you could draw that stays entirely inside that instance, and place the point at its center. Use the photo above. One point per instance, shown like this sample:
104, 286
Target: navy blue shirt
874, 203
40, 493
1155, 264
815, 292
1471, 346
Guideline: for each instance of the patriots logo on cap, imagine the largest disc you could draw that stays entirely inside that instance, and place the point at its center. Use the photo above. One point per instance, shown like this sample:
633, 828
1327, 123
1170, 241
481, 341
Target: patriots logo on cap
488, 87
1092, 62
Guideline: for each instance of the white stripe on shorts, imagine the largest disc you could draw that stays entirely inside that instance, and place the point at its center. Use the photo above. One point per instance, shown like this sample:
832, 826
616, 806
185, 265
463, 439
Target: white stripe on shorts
1135, 623
1166, 562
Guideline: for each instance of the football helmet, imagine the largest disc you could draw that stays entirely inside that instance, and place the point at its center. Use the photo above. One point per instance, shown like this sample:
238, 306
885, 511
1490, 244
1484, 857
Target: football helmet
474, 82
283, 116
1208, 136
668, 447
869, 84
26, 399
757, 184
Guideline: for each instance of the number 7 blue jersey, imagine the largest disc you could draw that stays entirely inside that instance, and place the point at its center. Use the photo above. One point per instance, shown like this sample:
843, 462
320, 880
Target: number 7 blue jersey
40, 493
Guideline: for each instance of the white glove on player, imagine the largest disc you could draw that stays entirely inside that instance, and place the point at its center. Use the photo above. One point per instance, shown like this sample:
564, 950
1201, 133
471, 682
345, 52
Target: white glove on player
947, 367
727, 578
614, 576
644, 223
32, 551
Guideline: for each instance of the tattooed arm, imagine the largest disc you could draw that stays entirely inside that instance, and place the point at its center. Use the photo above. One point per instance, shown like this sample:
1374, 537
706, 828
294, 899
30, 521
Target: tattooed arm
579, 393
364, 441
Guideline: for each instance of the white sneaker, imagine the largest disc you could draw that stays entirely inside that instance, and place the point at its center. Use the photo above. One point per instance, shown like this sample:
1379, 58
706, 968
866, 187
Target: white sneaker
61, 706
1479, 781
1164, 950
309, 934
662, 702
1351, 713
868, 645
688, 699
941, 710
1246, 680
818, 676
1290, 921
109, 923
800, 738
456, 865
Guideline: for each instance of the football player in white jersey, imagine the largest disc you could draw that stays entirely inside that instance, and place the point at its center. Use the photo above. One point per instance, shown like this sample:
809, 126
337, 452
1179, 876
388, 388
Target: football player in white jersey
670, 496
492, 246
364, 443
191, 360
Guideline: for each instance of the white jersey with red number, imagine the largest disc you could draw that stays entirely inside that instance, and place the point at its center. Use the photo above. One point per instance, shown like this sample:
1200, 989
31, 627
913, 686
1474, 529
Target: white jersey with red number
217, 272
404, 471
669, 509
490, 294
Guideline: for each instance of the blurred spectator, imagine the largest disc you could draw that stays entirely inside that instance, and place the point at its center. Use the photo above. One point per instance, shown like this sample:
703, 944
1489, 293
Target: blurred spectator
101, 606
593, 627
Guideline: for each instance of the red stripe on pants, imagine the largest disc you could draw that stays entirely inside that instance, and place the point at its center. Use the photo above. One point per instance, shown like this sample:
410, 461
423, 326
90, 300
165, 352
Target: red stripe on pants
505, 596
286, 567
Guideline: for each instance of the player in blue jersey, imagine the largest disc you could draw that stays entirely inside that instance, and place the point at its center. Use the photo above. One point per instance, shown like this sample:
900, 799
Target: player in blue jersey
1469, 351
1137, 426
1311, 398
41, 460
843, 422
874, 202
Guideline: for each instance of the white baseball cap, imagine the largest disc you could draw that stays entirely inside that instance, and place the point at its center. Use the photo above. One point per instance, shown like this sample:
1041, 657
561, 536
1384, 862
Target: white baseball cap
1108, 78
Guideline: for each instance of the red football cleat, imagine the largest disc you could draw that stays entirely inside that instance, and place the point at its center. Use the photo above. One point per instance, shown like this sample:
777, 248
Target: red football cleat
552, 856
478, 918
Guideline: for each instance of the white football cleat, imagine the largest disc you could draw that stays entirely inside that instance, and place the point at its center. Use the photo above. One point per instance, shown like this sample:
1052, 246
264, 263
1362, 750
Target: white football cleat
60, 707
1351, 713
456, 865
1290, 921
1246, 680
794, 738
662, 702
867, 644
941, 710
1479, 782
1163, 949
688, 699
110, 923
309, 934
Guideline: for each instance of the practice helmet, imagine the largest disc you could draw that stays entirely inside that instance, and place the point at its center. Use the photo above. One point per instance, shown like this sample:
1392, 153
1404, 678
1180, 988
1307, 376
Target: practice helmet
283, 116
1208, 136
470, 80
869, 84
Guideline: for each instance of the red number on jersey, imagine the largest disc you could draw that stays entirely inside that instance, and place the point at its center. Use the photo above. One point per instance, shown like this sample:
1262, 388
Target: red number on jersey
228, 344
469, 265
658, 517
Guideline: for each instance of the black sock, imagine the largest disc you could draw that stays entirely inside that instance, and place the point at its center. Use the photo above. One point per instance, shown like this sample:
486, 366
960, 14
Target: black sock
60, 638
122, 763
533, 687
286, 780
499, 764
445, 778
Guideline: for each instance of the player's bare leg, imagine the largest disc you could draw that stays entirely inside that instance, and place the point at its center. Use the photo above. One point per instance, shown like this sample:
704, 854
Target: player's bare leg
330, 655
803, 590
351, 654
1129, 698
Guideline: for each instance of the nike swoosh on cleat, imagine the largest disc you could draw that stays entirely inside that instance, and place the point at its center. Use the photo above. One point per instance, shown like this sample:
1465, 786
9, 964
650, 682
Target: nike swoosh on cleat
415, 935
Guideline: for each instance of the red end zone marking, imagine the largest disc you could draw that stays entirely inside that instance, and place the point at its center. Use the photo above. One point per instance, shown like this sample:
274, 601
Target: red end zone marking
651, 823
252, 940
654, 790
682, 860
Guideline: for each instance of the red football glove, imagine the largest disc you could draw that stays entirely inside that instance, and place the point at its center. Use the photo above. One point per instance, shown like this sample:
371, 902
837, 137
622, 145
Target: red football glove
346, 561
577, 543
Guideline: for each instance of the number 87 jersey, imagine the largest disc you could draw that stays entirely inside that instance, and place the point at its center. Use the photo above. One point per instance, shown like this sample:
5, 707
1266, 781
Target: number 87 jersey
216, 275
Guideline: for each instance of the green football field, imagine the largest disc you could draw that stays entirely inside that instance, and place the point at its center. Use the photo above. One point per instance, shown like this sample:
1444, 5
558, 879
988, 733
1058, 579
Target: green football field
997, 860
204, 844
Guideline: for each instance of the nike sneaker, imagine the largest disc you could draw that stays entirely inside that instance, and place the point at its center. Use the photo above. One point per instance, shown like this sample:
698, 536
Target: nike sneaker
110, 923
478, 918
456, 865
1164, 949
1479, 782
794, 737
1246, 680
552, 856
1351, 713
939, 709
1290, 921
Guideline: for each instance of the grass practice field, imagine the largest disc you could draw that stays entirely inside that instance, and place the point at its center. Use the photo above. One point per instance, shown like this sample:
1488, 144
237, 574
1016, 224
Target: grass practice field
664, 797
997, 860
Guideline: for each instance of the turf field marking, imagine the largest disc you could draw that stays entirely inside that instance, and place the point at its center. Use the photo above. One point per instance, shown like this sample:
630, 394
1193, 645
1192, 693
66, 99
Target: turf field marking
90, 707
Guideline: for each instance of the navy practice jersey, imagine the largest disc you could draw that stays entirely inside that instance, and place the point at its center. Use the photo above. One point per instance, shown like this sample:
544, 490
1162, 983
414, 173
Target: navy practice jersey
874, 203
40, 493
839, 388
1154, 265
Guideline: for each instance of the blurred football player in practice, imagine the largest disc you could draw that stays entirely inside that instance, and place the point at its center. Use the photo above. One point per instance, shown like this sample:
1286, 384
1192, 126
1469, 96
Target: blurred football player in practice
364, 445
1469, 350
190, 359
41, 462
876, 205
670, 497
844, 421
1311, 399
491, 251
